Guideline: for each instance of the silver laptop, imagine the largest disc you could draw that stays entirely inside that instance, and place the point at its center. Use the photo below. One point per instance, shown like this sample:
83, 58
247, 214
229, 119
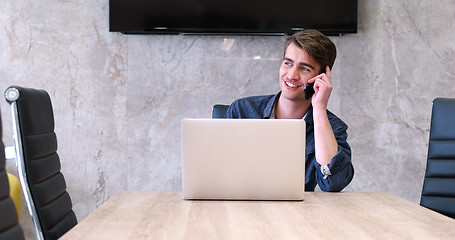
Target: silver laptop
243, 159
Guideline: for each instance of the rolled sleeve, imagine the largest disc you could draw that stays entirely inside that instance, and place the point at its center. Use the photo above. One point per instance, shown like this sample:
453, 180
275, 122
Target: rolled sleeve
341, 170
340, 166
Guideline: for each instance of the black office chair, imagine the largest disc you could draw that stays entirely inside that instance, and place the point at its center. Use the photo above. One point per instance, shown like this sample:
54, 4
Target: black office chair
438, 191
38, 163
219, 110
9, 226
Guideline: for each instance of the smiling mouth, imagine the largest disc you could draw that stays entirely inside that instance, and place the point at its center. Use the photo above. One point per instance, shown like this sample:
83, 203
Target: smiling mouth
290, 84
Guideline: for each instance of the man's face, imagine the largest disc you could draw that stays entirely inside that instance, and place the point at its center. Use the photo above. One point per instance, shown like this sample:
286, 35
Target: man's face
296, 69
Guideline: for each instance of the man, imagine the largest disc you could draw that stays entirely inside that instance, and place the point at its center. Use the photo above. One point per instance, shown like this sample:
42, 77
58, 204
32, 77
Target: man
308, 59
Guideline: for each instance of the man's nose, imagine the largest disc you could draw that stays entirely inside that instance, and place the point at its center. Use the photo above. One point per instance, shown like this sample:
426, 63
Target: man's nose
293, 73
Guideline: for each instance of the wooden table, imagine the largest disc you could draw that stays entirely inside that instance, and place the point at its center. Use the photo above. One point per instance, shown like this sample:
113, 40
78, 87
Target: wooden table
347, 215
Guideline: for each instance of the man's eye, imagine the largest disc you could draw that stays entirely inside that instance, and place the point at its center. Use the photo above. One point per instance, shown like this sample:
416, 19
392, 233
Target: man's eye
288, 64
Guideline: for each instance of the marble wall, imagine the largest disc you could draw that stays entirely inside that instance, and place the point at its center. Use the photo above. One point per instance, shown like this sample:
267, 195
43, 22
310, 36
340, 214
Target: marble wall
118, 99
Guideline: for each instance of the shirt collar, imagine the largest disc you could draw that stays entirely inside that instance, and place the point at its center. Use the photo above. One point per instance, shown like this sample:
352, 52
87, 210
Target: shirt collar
269, 111
270, 106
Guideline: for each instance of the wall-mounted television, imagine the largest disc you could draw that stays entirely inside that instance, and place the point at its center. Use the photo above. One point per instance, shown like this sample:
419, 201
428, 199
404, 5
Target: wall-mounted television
244, 17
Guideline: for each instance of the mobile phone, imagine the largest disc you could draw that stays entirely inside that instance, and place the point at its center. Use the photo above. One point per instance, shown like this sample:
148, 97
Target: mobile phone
309, 89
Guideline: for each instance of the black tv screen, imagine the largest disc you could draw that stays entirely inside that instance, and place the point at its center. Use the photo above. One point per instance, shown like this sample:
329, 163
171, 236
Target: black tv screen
332, 17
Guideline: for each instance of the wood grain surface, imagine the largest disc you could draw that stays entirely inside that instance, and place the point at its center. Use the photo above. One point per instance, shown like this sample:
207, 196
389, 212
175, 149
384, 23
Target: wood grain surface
347, 215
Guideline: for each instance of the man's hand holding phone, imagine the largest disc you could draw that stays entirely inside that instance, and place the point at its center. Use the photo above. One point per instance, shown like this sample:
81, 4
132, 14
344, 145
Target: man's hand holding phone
319, 89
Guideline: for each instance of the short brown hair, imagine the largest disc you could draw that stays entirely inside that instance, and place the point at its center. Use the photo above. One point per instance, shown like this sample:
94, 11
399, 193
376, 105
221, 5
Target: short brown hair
318, 46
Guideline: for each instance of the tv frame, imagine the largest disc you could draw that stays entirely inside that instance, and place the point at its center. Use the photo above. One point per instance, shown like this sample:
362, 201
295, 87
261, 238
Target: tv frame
168, 30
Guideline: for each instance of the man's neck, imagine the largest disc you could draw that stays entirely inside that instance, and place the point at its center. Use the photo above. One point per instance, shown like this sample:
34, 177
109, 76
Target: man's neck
287, 109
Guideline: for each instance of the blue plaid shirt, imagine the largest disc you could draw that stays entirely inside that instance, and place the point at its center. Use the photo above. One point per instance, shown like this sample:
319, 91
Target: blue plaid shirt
261, 107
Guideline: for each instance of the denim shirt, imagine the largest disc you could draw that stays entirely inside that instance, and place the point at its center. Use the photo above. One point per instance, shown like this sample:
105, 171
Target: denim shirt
260, 107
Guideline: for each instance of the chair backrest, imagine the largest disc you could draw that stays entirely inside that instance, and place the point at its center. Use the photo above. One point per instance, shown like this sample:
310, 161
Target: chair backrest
38, 163
9, 226
438, 191
219, 110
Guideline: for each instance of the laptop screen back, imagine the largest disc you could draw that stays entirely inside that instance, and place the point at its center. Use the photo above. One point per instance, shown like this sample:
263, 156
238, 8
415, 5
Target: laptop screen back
243, 159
